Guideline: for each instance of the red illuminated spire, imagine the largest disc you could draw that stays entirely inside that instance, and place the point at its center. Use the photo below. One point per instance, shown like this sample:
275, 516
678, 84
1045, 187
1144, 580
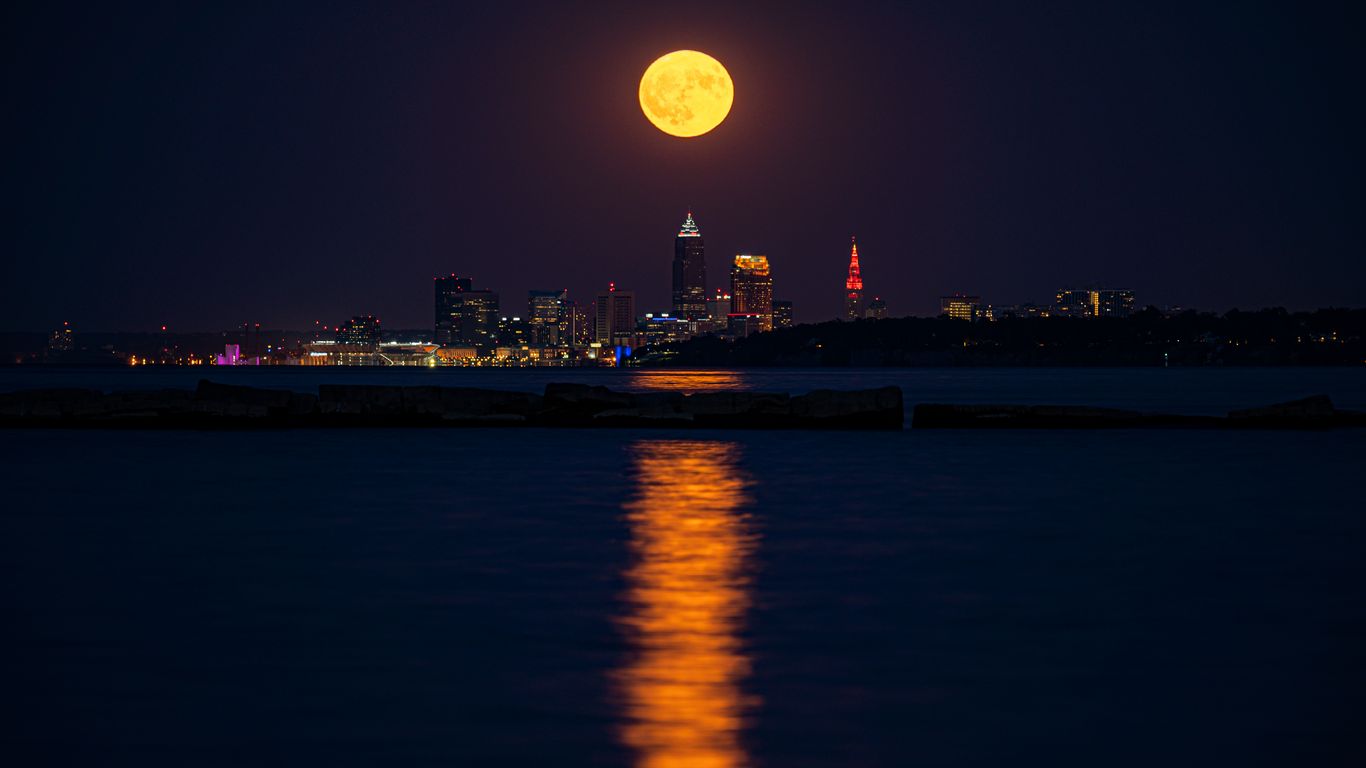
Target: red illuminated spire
855, 280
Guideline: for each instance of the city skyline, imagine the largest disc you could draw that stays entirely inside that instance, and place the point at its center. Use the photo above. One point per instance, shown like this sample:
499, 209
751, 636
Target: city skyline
969, 151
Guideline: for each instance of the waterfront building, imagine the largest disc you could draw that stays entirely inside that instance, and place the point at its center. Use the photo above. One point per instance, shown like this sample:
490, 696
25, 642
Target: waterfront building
360, 331
1070, 302
853, 285
662, 329
1093, 302
576, 325
545, 313
742, 324
751, 288
616, 315
782, 314
689, 272
1113, 303
960, 307
476, 318
465, 316
876, 309
447, 291
514, 332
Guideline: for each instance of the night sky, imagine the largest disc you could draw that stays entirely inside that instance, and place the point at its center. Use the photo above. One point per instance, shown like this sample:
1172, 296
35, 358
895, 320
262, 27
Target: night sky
201, 165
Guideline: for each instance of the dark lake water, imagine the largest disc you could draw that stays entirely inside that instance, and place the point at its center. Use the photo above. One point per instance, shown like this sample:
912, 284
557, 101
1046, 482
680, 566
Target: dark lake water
622, 598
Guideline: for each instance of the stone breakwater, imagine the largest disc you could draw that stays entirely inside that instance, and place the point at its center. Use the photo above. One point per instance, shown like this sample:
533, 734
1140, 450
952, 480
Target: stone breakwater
1315, 412
225, 406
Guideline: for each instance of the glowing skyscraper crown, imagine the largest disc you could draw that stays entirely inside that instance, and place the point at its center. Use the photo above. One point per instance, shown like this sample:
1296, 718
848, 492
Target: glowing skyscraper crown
689, 228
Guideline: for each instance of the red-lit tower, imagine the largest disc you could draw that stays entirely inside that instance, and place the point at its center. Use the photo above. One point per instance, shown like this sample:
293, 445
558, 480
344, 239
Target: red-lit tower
853, 285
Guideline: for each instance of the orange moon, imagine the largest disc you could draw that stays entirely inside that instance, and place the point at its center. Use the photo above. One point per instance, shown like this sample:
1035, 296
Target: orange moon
686, 93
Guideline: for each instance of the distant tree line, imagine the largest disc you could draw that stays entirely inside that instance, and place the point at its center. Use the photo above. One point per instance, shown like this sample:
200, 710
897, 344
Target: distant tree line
1147, 338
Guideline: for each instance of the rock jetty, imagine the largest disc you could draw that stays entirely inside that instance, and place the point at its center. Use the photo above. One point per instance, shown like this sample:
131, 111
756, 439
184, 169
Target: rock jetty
1315, 412
224, 406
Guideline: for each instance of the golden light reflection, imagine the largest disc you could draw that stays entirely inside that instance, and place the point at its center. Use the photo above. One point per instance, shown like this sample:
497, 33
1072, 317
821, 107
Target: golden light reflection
687, 382
688, 592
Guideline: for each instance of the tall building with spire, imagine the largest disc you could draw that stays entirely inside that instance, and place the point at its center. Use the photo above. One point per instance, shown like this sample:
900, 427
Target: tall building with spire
853, 285
690, 272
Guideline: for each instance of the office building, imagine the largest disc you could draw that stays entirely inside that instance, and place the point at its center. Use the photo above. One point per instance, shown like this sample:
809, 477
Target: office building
876, 309
782, 314
1113, 303
359, 331
853, 285
576, 325
742, 324
1093, 302
689, 272
1072, 303
448, 290
751, 289
616, 315
960, 307
545, 314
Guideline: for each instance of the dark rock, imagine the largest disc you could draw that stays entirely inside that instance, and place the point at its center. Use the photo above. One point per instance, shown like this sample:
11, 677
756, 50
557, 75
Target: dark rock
656, 415
744, 410
860, 409
369, 399
954, 416
48, 403
233, 394
488, 402
577, 404
1316, 411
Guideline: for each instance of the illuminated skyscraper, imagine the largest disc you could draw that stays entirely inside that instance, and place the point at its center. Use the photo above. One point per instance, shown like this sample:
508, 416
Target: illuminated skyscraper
853, 285
545, 313
448, 290
751, 289
689, 272
616, 315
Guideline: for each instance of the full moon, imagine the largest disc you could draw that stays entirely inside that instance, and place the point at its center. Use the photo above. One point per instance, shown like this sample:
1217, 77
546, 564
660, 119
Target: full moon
686, 93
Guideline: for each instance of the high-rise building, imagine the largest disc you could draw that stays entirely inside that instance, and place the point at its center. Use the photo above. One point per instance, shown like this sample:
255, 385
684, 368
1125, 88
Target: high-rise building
514, 332
448, 290
545, 313
478, 317
960, 307
359, 331
576, 328
853, 285
465, 316
1113, 303
751, 289
876, 309
782, 314
689, 272
719, 306
1093, 302
1069, 302
616, 315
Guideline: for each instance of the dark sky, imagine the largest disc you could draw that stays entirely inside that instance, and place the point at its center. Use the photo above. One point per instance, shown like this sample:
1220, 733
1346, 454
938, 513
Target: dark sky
205, 164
